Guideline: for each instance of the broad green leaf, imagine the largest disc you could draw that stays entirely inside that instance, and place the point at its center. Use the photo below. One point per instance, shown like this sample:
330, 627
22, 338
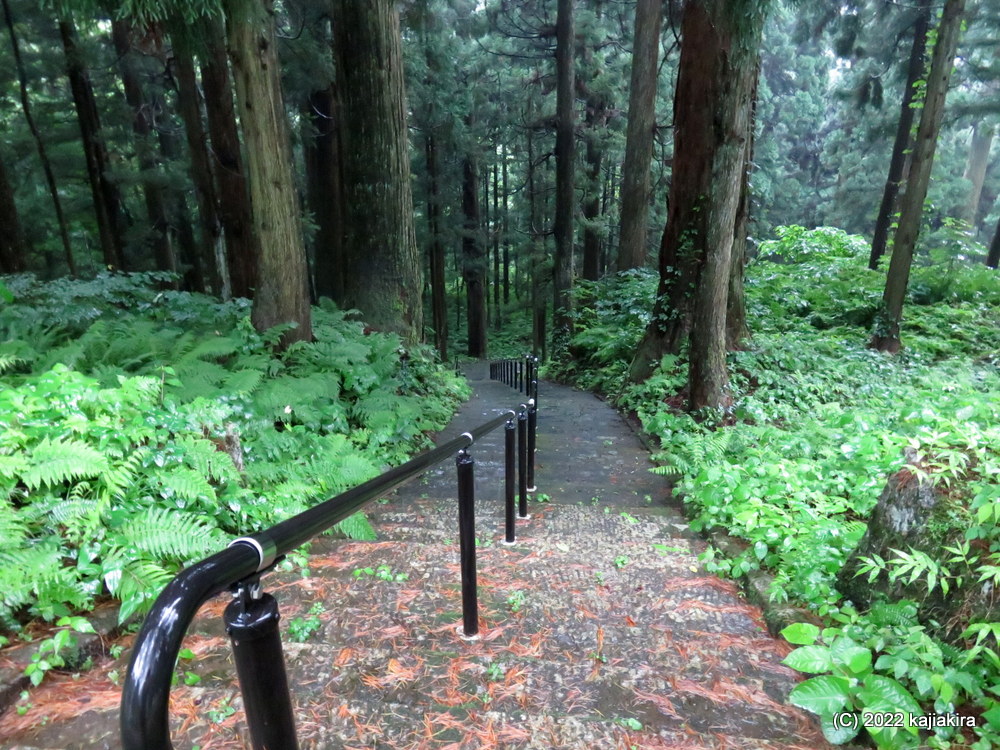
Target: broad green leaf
801, 633
857, 659
821, 695
841, 731
814, 659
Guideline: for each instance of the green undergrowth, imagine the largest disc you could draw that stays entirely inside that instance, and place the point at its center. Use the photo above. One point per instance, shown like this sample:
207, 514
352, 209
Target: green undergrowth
818, 423
141, 429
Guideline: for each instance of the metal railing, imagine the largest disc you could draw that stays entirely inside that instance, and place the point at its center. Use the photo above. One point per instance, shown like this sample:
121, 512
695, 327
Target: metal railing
251, 619
522, 373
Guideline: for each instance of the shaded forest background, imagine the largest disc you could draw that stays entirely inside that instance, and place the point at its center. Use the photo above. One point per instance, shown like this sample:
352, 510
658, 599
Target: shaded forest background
137, 134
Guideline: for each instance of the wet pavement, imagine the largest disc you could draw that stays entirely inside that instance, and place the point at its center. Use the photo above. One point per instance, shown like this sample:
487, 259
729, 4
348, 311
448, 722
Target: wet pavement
598, 628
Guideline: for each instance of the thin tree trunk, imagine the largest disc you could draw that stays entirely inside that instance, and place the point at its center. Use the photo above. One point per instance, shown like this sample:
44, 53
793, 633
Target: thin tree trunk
639, 133
736, 312
506, 234
382, 265
322, 158
242, 245
104, 193
439, 291
495, 231
901, 146
189, 107
993, 257
886, 337
473, 262
562, 279
22, 79
282, 292
975, 170
142, 126
12, 246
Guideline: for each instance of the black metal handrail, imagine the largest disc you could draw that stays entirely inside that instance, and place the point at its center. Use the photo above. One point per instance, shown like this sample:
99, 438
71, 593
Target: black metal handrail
144, 714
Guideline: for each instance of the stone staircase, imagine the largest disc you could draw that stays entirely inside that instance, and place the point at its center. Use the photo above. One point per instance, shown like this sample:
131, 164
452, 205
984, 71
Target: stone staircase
598, 628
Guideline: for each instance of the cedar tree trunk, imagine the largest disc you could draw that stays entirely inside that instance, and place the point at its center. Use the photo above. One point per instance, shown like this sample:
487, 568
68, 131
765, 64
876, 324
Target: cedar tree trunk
562, 280
282, 292
886, 336
382, 265
901, 146
712, 113
639, 136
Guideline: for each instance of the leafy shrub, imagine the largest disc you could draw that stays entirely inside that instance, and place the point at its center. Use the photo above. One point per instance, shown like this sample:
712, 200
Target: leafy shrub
139, 429
818, 422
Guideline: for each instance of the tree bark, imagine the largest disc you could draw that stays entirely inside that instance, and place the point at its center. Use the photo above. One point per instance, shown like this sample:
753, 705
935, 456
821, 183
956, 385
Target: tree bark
322, 158
901, 146
634, 223
12, 246
886, 337
242, 245
50, 180
189, 106
712, 113
473, 262
104, 193
993, 256
158, 236
439, 291
562, 279
975, 170
282, 289
382, 265
506, 232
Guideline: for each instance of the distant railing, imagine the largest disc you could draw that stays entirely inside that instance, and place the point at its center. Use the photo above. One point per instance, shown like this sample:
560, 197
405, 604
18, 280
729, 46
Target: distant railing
522, 373
251, 619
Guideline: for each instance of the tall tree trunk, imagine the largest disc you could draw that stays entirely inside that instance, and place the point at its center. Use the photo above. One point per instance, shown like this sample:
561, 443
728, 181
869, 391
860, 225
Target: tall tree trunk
12, 247
712, 112
189, 105
439, 291
993, 257
242, 245
506, 234
473, 262
282, 289
104, 193
736, 312
975, 170
886, 337
382, 265
535, 239
322, 158
142, 125
22, 79
562, 278
495, 232
639, 136
901, 146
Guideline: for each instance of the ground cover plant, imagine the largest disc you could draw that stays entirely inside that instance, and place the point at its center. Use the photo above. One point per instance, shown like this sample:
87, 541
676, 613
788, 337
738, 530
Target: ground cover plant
141, 428
795, 468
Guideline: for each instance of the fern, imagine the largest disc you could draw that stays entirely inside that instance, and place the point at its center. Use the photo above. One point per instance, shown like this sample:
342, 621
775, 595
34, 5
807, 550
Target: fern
185, 484
168, 534
56, 461
356, 527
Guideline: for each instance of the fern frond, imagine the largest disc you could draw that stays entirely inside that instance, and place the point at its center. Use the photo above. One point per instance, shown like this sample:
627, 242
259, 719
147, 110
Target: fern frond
356, 527
167, 534
185, 484
56, 461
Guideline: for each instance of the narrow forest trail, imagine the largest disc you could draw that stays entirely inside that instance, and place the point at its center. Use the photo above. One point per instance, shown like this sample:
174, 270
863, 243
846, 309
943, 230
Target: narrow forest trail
598, 627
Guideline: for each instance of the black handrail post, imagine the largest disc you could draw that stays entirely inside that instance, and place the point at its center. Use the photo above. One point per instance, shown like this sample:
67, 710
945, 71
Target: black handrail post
467, 543
510, 535
522, 462
532, 427
252, 624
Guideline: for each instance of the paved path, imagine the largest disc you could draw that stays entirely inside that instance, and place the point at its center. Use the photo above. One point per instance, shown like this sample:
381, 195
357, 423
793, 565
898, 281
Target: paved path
599, 629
